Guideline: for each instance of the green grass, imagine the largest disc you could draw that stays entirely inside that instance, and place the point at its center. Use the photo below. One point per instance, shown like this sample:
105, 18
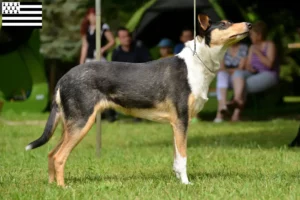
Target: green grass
246, 160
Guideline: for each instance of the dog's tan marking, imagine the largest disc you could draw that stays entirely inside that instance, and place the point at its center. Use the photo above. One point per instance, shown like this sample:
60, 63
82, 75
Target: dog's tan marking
238, 28
71, 138
203, 21
51, 166
224, 20
60, 107
223, 37
192, 106
57, 97
180, 141
162, 112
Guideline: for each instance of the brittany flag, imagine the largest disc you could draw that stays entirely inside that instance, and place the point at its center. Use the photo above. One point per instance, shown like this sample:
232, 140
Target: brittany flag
22, 14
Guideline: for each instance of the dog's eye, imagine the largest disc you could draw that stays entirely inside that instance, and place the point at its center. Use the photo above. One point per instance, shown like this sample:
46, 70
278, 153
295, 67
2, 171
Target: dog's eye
222, 23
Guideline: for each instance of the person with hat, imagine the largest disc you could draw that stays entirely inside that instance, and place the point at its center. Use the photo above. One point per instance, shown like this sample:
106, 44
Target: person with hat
165, 48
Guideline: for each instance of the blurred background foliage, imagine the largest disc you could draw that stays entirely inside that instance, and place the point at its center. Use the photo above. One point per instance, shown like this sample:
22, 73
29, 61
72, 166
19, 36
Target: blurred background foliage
61, 25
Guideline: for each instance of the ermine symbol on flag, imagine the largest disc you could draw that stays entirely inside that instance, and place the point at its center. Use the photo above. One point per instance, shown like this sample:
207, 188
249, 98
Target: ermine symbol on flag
22, 14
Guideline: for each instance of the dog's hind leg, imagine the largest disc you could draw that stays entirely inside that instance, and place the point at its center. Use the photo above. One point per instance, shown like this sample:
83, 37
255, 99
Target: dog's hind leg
74, 133
180, 145
51, 167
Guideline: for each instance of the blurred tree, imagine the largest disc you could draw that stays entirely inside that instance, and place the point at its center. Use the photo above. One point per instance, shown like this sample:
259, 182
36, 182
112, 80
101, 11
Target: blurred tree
118, 12
60, 35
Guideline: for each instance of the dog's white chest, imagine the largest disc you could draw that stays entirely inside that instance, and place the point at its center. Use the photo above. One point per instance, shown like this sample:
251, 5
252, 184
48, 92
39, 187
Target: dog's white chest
199, 104
199, 80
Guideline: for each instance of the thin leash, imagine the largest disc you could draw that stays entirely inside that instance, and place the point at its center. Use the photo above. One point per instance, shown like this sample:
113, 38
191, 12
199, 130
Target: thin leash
194, 52
203, 62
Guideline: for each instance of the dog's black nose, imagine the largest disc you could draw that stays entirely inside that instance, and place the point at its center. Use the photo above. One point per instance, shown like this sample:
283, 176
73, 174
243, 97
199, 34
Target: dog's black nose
249, 25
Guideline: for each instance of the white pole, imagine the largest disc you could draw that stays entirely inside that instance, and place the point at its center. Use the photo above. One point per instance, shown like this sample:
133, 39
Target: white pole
98, 57
195, 5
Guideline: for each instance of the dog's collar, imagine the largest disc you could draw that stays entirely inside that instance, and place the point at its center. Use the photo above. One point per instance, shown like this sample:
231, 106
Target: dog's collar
201, 60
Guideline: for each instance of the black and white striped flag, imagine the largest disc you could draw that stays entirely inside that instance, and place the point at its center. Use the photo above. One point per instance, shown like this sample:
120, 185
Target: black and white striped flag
22, 14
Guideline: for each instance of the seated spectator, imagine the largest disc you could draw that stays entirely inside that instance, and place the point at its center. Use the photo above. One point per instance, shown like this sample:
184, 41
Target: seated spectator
262, 69
165, 48
186, 35
128, 50
235, 58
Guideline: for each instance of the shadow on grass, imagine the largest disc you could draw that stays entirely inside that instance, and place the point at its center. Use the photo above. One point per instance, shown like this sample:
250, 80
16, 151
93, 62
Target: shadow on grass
250, 175
287, 111
265, 140
168, 175
249, 140
157, 175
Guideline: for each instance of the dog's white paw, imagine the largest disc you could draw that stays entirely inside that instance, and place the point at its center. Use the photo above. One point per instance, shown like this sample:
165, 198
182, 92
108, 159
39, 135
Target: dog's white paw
187, 183
68, 187
182, 176
177, 174
184, 179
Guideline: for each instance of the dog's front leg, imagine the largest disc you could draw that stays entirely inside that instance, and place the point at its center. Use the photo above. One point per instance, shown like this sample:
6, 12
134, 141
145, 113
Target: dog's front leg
180, 155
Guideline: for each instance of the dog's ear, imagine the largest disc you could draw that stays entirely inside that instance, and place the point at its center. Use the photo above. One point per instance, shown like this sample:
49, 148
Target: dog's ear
204, 21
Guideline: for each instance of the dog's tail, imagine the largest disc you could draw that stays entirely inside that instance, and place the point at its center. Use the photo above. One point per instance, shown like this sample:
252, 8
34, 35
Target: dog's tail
49, 128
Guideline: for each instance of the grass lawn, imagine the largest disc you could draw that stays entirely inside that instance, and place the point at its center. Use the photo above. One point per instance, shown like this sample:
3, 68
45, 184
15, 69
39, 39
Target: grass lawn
247, 160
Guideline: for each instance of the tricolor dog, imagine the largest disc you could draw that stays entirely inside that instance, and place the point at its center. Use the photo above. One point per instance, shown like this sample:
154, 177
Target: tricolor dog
169, 90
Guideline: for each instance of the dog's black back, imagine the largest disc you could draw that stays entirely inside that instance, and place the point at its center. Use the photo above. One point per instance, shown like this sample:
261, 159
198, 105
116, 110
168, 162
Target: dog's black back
129, 85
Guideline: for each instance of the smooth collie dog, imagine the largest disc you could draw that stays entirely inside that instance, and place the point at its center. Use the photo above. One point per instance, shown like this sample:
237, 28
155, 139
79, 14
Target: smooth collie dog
169, 90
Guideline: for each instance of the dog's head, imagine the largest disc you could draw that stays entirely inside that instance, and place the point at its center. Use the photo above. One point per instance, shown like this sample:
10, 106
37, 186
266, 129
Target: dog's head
223, 33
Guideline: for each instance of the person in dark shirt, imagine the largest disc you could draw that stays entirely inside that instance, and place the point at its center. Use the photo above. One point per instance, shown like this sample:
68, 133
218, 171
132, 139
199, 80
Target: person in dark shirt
128, 51
186, 35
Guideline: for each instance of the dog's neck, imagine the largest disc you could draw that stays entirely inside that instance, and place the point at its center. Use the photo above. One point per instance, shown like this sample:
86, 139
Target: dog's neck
202, 67
208, 56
